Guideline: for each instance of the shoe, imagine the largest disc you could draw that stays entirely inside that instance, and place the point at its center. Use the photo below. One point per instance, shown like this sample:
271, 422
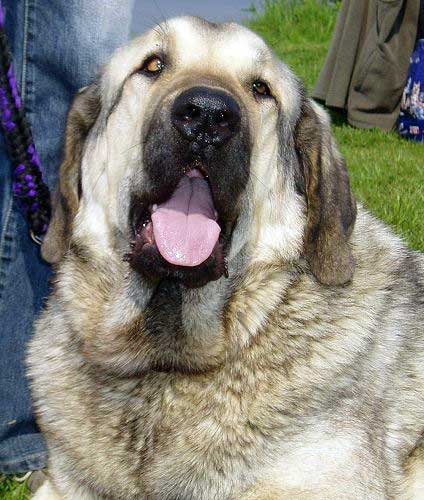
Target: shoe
34, 479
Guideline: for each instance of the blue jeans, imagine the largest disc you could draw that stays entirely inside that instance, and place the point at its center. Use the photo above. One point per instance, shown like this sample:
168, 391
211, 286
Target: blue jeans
58, 47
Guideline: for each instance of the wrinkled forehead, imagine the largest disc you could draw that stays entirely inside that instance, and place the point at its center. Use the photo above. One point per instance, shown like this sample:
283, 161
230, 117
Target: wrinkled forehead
191, 42
196, 45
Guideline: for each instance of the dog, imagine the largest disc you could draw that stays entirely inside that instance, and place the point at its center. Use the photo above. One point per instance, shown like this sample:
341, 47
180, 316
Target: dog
226, 321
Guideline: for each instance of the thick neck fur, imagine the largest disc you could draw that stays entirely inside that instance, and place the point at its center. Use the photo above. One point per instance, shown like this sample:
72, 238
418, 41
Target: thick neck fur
128, 326
216, 383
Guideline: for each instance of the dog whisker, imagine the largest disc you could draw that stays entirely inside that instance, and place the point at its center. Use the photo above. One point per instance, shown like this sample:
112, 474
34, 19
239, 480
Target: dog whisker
132, 147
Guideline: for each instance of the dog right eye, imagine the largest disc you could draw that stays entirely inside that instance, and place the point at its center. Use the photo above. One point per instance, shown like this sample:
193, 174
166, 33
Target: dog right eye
261, 88
152, 66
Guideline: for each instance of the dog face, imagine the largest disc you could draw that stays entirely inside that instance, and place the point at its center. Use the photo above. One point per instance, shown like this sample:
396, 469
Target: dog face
197, 143
195, 150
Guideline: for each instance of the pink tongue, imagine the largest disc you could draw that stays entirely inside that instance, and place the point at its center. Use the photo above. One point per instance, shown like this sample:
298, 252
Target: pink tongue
184, 226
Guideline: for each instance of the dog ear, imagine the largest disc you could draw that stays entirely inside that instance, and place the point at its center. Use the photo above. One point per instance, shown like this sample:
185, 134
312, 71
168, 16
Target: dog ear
81, 117
331, 207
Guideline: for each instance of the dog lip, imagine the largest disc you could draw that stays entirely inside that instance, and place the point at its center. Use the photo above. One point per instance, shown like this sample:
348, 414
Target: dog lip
140, 219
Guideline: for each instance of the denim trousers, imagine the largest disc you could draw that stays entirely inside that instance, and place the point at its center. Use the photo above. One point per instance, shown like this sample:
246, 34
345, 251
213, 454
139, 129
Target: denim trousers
58, 47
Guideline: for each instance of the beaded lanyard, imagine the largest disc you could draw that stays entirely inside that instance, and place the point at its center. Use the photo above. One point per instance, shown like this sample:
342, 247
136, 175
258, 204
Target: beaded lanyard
28, 186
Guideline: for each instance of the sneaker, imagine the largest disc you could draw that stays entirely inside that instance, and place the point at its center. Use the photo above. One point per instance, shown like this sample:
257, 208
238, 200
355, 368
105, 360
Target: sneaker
34, 479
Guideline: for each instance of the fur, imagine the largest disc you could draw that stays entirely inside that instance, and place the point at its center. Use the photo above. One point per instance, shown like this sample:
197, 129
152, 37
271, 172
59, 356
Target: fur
299, 376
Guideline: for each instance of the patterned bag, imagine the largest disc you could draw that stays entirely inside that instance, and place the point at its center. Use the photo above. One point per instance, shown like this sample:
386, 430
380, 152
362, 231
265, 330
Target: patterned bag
411, 117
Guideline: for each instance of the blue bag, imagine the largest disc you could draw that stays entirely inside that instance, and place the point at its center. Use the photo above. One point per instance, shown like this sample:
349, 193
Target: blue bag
411, 117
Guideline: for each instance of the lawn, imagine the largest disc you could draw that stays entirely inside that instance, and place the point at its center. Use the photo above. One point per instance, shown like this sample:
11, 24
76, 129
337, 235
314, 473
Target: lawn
12, 490
387, 172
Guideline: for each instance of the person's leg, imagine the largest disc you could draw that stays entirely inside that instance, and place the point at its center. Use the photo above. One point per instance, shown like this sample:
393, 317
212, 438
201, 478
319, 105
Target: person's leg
58, 46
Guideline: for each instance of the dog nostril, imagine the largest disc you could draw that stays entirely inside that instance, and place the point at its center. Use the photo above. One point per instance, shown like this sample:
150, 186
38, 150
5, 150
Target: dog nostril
190, 113
222, 119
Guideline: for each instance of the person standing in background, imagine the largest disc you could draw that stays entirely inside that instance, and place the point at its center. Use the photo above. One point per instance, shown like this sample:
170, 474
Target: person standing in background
368, 59
57, 47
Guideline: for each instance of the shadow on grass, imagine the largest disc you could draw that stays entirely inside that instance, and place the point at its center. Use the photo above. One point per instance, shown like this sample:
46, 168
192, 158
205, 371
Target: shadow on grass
338, 116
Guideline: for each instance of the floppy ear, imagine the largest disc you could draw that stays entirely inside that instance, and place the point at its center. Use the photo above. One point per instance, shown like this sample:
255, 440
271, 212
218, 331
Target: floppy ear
82, 115
330, 203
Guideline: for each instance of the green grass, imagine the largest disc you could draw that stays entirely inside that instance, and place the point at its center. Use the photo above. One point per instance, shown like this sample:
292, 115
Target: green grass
387, 172
13, 490
298, 31
387, 175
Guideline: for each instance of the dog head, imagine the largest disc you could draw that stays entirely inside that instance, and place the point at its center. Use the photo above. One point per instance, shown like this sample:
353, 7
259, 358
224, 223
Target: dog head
194, 144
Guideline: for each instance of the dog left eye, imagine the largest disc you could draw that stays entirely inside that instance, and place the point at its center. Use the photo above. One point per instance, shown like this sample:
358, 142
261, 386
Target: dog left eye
152, 66
261, 88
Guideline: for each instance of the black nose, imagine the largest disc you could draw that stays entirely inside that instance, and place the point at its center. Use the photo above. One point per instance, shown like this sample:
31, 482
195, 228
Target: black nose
206, 116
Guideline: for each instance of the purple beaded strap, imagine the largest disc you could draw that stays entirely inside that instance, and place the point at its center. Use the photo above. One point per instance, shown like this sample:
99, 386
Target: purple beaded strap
28, 185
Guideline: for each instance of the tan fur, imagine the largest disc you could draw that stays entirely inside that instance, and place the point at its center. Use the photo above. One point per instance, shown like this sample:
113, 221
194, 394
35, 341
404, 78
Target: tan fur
300, 376
82, 116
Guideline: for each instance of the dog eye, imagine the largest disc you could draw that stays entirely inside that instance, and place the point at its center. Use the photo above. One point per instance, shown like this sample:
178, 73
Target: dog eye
261, 88
152, 66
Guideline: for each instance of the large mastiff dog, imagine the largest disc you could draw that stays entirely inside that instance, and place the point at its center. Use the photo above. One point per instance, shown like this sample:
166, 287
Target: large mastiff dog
225, 322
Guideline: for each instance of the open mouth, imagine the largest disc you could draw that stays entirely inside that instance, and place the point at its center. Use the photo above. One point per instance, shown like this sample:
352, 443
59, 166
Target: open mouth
181, 238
